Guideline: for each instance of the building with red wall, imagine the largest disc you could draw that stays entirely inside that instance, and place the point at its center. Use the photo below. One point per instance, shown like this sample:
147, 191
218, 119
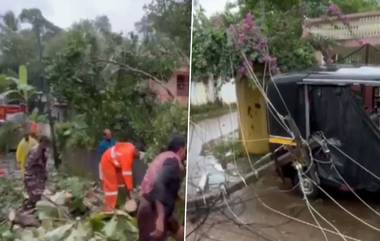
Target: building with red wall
178, 85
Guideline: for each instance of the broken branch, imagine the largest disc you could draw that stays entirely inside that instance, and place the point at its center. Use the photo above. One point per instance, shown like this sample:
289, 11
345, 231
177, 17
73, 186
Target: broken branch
150, 76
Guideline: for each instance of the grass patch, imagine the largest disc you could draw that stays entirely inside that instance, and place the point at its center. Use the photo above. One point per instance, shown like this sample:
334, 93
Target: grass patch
226, 150
210, 110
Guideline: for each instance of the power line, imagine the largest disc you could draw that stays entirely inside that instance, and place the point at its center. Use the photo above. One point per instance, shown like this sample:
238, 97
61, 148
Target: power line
344, 209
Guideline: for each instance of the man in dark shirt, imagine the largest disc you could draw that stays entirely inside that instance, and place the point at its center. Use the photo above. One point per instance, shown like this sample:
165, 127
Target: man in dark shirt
106, 143
159, 193
36, 173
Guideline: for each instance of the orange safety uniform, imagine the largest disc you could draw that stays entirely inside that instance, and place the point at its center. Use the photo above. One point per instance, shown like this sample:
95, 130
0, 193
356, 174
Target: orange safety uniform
116, 168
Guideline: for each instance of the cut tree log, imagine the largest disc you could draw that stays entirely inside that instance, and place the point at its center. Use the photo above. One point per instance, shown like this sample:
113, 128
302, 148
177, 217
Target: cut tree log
23, 219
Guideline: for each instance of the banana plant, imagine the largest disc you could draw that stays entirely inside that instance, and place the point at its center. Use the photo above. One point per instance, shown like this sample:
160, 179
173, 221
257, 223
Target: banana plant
18, 88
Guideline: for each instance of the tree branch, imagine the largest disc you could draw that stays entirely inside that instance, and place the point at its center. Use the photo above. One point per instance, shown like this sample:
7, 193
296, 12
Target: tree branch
150, 76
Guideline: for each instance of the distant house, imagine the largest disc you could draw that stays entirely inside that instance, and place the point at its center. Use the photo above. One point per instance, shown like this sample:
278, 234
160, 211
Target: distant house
357, 44
178, 85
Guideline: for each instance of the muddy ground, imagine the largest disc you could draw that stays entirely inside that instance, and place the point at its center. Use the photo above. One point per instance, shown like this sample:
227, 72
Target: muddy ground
264, 224
267, 225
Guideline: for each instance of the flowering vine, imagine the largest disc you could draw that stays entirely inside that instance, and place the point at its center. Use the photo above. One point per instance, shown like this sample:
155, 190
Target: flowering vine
334, 10
250, 42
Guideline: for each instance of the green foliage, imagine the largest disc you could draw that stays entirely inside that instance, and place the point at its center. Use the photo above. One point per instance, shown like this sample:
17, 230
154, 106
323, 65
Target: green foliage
311, 8
76, 186
62, 216
171, 18
23, 46
75, 134
40, 25
10, 198
295, 54
5, 82
119, 227
37, 117
102, 95
9, 132
212, 51
210, 110
354, 6
17, 89
10, 21
280, 21
227, 148
169, 119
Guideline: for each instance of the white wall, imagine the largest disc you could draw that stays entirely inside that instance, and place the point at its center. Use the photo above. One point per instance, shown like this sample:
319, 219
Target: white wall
228, 92
198, 93
203, 93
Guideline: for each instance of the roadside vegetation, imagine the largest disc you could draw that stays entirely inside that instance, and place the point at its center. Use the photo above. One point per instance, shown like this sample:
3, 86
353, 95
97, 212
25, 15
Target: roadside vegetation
95, 78
210, 110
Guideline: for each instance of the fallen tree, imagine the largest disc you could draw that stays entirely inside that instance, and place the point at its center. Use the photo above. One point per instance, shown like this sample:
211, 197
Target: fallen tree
70, 210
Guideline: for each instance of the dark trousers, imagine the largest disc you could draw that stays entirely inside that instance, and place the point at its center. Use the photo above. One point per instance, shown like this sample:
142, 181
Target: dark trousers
146, 220
35, 186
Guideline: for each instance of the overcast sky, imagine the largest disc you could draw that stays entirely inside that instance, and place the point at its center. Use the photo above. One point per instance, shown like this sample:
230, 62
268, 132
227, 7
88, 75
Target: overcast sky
213, 6
122, 13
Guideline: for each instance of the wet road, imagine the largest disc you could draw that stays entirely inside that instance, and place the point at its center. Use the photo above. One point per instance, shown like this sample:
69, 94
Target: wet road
265, 224
202, 163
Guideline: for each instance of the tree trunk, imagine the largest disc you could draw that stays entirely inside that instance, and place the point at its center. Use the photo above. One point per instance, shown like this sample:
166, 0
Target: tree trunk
57, 160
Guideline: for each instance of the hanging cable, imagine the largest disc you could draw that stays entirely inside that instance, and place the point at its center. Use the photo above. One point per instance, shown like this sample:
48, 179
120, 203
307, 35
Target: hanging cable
329, 223
343, 208
352, 159
299, 170
353, 192
234, 154
243, 137
261, 90
297, 219
311, 208
241, 221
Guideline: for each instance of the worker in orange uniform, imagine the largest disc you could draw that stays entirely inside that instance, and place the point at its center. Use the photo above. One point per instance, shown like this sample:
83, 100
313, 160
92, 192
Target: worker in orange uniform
116, 170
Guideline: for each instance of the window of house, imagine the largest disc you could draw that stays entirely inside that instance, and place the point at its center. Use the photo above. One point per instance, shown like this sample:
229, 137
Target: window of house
182, 85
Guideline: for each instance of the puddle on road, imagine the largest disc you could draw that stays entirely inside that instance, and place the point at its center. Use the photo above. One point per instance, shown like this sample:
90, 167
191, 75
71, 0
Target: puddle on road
201, 134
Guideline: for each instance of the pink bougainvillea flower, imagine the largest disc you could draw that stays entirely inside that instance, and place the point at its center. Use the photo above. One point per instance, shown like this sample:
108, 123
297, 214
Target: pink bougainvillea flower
242, 39
333, 10
248, 22
248, 39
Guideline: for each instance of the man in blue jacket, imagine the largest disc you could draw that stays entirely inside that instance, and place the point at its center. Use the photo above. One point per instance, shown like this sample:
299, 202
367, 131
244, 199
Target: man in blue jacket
106, 143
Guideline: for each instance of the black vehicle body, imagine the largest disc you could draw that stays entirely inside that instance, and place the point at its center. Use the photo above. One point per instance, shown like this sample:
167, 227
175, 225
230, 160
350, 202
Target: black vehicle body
325, 102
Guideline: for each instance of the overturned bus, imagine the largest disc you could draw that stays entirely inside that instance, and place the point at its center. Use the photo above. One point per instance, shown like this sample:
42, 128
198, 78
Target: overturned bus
331, 114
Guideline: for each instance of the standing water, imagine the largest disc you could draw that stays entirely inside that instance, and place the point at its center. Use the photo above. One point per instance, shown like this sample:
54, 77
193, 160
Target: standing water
202, 133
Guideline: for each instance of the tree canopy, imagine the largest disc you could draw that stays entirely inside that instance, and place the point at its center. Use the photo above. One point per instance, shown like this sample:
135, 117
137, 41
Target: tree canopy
280, 21
102, 75
171, 18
